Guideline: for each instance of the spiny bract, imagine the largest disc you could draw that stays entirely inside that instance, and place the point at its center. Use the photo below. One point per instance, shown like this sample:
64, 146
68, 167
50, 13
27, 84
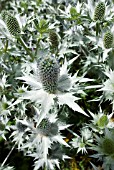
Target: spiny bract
48, 70
108, 40
99, 11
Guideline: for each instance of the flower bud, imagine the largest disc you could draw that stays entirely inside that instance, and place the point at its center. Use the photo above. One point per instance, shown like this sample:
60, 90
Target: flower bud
13, 25
53, 39
108, 40
99, 11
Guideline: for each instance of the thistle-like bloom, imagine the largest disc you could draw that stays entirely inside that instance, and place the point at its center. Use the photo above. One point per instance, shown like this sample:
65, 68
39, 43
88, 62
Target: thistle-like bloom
11, 23
41, 138
108, 40
81, 142
48, 70
99, 11
105, 149
51, 85
100, 121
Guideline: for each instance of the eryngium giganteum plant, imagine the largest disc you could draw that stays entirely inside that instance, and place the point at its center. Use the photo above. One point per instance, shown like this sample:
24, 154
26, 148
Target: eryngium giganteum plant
108, 40
11, 23
99, 11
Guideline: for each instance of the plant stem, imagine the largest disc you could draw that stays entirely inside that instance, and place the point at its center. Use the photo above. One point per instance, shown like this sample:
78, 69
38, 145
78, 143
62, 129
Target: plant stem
6, 46
97, 28
25, 47
8, 156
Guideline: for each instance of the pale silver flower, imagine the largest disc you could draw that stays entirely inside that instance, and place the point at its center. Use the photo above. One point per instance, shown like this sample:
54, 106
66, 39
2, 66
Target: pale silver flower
41, 137
64, 88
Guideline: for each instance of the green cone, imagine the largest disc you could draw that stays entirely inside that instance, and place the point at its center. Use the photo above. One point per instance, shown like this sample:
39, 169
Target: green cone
99, 11
108, 146
53, 39
47, 128
108, 40
49, 72
11, 22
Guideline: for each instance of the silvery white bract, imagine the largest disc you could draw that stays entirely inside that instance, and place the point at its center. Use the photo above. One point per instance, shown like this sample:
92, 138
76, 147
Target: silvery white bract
64, 93
105, 149
41, 137
101, 121
81, 142
108, 86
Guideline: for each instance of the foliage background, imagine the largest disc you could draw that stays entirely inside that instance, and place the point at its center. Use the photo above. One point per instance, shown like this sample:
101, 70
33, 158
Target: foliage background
78, 35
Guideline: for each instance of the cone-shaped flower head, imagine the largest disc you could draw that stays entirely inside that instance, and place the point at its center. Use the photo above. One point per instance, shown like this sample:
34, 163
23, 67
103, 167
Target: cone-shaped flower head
12, 23
46, 128
53, 39
21, 127
108, 40
48, 69
99, 11
107, 146
105, 149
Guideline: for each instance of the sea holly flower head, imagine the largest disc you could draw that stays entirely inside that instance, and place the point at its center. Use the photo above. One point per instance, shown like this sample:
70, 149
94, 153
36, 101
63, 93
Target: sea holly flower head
108, 40
81, 142
48, 70
105, 148
11, 23
99, 11
41, 138
51, 81
100, 121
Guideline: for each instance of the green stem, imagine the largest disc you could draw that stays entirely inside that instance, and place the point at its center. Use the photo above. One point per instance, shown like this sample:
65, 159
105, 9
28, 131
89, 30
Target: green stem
25, 47
45, 168
37, 44
97, 28
6, 46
